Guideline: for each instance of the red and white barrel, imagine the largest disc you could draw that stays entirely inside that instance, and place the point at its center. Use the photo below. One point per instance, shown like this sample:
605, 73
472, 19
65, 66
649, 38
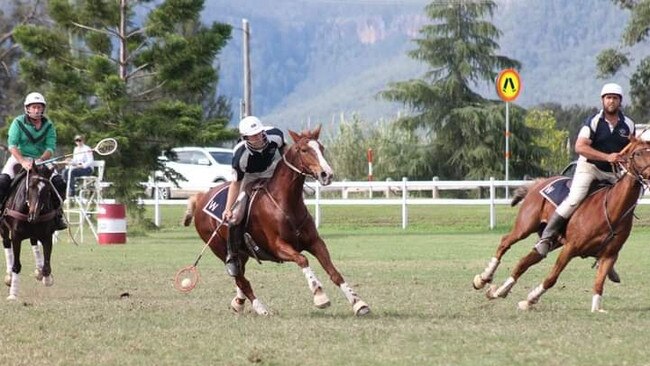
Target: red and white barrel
111, 224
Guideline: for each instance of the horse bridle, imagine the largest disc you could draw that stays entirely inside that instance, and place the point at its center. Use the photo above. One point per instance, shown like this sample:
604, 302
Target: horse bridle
294, 168
634, 170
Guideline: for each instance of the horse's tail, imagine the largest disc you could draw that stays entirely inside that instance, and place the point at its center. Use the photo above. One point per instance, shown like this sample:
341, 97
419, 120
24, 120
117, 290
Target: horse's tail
191, 206
520, 193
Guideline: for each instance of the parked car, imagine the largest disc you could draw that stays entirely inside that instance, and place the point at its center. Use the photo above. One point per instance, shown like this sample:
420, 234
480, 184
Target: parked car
201, 168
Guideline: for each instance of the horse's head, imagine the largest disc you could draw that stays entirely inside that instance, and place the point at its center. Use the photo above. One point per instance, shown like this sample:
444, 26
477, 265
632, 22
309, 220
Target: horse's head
637, 161
306, 155
38, 192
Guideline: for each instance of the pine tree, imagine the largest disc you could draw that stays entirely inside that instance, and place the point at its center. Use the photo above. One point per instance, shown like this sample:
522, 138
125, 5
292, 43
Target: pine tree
460, 50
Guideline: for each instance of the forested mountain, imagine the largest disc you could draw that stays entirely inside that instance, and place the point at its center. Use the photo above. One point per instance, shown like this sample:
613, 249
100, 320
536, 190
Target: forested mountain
313, 60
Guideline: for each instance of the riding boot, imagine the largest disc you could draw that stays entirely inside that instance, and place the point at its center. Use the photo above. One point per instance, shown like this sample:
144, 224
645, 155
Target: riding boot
551, 232
59, 185
5, 186
233, 266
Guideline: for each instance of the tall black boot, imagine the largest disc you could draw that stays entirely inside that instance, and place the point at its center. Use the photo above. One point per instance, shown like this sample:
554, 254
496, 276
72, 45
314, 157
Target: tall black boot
552, 230
554, 227
233, 265
59, 185
5, 185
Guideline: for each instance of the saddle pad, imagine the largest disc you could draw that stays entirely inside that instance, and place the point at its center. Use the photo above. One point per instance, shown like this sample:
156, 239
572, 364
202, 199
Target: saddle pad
556, 191
217, 204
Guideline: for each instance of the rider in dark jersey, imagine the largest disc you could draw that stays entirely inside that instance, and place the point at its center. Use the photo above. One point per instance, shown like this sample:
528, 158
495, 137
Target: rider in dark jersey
256, 156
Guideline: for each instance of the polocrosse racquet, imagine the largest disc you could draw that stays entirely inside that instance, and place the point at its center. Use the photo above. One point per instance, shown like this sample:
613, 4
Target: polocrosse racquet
104, 147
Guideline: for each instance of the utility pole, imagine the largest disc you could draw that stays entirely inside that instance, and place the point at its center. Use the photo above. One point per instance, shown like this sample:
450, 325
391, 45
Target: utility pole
248, 106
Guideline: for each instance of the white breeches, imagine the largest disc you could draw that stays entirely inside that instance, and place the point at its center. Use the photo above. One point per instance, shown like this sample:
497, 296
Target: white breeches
584, 175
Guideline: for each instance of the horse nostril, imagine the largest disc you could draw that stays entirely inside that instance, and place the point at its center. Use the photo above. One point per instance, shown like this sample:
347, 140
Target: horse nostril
324, 175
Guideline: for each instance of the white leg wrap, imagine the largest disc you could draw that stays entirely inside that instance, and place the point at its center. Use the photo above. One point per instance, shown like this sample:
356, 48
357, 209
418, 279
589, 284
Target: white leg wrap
489, 270
38, 256
505, 288
312, 281
15, 283
596, 303
349, 293
9, 258
240, 294
260, 308
533, 296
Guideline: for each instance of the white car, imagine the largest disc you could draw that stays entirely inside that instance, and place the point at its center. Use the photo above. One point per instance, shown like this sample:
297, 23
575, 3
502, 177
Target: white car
202, 168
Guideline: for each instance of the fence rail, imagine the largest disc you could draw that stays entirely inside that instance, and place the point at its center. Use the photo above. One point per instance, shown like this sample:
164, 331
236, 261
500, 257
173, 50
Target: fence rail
395, 193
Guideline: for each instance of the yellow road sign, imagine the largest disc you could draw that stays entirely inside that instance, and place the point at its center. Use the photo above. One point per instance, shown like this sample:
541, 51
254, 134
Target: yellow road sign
508, 85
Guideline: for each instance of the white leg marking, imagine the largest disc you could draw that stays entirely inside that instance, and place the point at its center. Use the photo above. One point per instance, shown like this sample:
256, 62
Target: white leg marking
597, 304
260, 308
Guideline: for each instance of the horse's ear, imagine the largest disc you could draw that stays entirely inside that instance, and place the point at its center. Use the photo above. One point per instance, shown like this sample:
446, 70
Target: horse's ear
295, 136
316, 132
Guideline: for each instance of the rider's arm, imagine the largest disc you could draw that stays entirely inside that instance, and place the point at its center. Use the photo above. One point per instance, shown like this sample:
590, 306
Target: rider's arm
233, 192
583, 147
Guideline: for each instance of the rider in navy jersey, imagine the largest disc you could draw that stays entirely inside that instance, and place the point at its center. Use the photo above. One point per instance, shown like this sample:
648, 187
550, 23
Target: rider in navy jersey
256, 156
599, 142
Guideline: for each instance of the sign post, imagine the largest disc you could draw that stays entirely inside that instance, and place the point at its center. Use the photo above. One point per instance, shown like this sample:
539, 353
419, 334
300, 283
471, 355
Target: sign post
508, 87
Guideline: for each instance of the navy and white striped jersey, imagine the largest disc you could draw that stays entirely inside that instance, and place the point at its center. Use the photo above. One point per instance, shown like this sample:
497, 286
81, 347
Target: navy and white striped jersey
606, 138
258, 164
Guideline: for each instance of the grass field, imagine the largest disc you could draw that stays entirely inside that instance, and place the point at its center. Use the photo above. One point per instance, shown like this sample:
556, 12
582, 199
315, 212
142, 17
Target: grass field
417, 282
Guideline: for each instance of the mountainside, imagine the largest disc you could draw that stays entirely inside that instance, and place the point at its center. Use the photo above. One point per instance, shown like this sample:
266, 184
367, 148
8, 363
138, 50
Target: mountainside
313, 60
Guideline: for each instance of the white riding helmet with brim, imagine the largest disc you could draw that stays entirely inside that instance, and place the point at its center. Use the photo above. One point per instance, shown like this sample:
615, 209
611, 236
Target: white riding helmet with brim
33, 98
251, 126
611, 88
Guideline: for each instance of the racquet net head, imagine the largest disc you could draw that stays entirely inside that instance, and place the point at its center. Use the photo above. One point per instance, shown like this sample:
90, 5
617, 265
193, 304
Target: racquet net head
186, 279
106, 146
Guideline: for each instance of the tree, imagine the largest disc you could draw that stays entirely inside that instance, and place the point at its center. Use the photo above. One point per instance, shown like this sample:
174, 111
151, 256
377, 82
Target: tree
11, 90
460, 50
146, 85
554, 140
610, 61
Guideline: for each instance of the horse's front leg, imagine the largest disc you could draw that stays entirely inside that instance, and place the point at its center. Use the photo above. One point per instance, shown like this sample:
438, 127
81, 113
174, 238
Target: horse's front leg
319, 250
605, 265
38, 258
15, 271
47, 278
508, 240
9, 259
562, 260
522, 266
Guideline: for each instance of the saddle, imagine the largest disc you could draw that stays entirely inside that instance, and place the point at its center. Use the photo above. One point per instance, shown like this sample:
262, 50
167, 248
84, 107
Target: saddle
558, 190
217, 204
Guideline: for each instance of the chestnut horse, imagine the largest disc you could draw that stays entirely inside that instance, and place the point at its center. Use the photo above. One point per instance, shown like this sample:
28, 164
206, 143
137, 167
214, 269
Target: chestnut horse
598, 228
280, 224
29, 214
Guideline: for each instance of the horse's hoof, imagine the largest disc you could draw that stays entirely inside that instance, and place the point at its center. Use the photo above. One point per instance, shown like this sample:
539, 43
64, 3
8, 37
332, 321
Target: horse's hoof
236, 305
524, 305
8, 279
321, 300
490, 292
360, 308
478, 282
38, 274
48, 281
12, 297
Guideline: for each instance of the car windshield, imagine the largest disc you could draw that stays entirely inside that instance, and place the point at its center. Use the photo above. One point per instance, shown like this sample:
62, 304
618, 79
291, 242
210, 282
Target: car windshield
222, 157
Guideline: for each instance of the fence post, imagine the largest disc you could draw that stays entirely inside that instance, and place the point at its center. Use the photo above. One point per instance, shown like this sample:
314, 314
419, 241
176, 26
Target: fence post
156, 208
434, 191
404, 209
492, 208
387, 191
317, 208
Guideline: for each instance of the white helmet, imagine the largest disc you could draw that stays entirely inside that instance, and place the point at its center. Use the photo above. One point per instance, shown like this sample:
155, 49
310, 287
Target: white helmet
611, 88
250, 126
32, 98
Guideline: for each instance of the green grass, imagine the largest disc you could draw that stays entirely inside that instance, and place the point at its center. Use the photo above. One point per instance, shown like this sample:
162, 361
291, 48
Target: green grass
417, 282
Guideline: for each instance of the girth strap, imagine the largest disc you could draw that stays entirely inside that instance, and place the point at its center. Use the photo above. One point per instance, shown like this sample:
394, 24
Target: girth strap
22, 217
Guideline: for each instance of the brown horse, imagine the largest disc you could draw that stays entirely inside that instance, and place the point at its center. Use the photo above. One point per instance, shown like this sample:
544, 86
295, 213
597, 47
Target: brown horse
598, 228
280, 224
29, 214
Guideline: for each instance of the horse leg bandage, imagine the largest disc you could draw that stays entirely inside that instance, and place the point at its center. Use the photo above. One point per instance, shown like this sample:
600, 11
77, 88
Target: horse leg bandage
542, 247
312, 281
9, 258
349, 293
38, 256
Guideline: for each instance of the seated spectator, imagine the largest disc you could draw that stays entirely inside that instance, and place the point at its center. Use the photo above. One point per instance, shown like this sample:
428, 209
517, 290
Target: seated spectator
80, 164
